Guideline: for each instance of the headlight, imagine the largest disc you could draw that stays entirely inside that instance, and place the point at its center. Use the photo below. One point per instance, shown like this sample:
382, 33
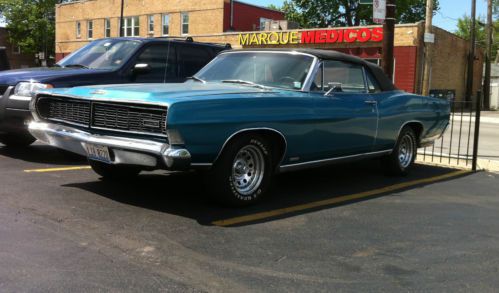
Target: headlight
27, 89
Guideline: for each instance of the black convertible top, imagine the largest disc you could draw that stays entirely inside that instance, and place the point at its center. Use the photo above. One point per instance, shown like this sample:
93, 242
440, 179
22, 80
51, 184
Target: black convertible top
384, 82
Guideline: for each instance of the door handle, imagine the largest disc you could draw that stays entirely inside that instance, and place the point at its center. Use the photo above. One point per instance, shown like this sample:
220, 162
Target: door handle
371, 102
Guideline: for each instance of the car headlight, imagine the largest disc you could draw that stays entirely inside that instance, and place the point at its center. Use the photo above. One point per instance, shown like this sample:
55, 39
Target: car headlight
27, 89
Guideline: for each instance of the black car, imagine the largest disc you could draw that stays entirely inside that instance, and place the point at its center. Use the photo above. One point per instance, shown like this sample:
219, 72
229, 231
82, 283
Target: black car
104, 61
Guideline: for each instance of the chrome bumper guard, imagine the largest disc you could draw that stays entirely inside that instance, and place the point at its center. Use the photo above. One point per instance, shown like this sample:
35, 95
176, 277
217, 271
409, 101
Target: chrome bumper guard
126, 151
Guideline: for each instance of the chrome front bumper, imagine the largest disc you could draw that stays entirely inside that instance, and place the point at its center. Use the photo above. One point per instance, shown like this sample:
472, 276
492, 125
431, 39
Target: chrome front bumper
126, 151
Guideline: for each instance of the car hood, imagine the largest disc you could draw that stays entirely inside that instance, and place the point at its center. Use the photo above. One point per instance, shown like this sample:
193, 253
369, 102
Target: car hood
43, 74
164, 94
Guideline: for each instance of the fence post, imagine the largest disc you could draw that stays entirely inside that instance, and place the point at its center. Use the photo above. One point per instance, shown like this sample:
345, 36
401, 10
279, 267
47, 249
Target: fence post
477, 130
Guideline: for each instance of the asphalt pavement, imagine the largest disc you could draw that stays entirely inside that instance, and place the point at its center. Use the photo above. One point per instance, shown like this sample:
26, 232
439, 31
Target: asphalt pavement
343, 228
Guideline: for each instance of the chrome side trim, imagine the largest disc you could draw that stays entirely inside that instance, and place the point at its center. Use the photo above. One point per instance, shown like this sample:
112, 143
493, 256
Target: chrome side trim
319, 163
253, 129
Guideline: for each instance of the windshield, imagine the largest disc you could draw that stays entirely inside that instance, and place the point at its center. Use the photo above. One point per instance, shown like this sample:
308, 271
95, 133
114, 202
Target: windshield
282, 70
101, 54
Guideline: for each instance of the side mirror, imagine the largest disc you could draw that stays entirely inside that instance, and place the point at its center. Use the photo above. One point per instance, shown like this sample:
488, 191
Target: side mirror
335, 87
141, 68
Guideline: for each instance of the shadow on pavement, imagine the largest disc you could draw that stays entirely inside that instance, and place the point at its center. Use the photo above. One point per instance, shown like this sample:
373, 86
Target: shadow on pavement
42, 154
183, 194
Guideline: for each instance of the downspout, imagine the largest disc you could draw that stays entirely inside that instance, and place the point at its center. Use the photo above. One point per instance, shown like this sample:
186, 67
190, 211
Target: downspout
232, 15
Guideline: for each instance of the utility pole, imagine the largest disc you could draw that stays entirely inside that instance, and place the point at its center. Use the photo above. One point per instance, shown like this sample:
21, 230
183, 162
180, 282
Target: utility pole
388, 38
429, 48
121, 17
471, 61
488, 57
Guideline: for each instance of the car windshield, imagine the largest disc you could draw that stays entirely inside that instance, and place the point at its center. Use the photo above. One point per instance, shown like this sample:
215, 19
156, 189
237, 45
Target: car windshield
282, 70
101, 54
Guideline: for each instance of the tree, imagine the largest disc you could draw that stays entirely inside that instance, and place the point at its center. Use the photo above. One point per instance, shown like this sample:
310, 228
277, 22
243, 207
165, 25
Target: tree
31, 24
323, 13
464, 31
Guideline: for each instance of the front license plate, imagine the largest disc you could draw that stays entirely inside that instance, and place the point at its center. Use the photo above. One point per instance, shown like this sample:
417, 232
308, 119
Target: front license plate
98, 153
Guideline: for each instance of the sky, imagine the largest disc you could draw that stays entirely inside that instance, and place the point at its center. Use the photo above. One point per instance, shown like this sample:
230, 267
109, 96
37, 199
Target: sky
446, 18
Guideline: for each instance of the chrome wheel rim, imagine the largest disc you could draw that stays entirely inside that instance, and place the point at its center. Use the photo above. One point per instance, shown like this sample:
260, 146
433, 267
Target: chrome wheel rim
406, 151
248, 169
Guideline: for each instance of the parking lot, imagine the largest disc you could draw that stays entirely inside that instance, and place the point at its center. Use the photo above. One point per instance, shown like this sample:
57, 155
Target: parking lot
345, 228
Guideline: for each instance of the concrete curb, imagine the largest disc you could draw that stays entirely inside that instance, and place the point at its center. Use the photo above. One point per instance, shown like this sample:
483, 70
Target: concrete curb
482, 164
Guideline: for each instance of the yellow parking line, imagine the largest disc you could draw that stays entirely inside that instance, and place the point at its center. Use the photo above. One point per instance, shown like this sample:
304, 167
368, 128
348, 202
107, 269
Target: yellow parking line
61, 169
336, 200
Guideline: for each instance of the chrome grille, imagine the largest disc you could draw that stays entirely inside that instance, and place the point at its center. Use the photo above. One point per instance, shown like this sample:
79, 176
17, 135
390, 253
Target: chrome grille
138, 119
129, 118
66, 111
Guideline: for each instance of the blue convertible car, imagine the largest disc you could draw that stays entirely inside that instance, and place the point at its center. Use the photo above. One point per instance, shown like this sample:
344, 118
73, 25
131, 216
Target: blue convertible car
243, 117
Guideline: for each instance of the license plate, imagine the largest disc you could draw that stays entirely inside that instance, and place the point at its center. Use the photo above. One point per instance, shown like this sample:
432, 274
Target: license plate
98, 153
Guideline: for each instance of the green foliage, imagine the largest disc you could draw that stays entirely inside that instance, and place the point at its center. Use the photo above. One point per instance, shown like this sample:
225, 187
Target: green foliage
31, 24
323, 13
464, 31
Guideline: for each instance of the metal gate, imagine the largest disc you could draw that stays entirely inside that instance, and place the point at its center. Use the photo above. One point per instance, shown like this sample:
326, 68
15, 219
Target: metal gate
459, 144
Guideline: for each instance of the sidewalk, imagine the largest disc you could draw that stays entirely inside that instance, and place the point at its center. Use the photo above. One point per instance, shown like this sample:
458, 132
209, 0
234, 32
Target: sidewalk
485, 117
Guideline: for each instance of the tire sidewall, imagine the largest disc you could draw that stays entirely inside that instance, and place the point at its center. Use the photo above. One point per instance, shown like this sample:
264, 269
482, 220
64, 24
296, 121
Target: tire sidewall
406, 131
223, 169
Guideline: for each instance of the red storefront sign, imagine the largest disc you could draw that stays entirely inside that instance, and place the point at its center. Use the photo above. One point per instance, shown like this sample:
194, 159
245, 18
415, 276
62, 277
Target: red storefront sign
326, 36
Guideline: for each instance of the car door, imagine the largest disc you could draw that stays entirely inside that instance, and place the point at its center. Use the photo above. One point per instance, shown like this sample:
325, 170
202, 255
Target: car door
192, 58
159, 64
346, 113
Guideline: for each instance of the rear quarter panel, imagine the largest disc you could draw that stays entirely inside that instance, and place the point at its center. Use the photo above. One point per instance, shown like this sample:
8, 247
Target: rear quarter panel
398, 108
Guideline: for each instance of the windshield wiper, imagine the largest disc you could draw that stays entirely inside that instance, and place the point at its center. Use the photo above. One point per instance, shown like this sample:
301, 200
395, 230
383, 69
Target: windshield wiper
76, 65
197, 79
240, 81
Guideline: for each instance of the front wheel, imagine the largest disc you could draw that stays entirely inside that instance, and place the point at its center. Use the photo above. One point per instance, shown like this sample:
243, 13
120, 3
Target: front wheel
242, 174
17, 140
113, 172
402, 158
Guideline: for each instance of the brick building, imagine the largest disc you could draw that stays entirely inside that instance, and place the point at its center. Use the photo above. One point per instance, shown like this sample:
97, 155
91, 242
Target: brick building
17, 59
449, 64
79, 22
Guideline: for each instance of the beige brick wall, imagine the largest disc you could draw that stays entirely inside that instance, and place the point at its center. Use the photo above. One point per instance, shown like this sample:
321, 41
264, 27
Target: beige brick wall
449, 64
205, 17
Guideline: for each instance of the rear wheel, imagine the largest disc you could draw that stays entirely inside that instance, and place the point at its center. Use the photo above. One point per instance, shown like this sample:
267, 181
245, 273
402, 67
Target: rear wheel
242, 174
17, 139
401, 160
113, 172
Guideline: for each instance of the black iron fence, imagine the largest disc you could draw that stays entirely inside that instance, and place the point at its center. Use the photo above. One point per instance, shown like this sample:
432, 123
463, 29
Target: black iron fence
459, 144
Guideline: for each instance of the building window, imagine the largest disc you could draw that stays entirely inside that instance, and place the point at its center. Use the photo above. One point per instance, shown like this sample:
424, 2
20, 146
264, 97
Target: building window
150, 24
90, 29
107, 28
185, 22
263, 21
166, 24
131, 26
78, 29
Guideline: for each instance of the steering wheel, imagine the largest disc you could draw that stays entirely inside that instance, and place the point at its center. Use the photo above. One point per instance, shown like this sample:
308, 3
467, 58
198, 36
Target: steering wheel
287, 80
